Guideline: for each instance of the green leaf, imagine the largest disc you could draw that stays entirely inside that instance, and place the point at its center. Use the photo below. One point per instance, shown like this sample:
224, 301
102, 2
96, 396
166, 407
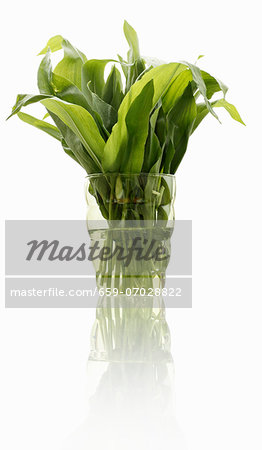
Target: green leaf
202, 111
81, 123
71, 65
74, 147
137, 128
161, 127
41, 125
69, 92
118, 140
169, 153
93, 71
176, 89
54, 43
197, 77
25, 100
107, 113
153, 150
199, 57
132, 40
231, 109
68, 151
155, 156
181, 119
113, 89
137, 65
44, 75
213, 85
124, 65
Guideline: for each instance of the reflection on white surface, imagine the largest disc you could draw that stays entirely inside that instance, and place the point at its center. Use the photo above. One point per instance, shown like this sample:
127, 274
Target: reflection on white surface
130, 379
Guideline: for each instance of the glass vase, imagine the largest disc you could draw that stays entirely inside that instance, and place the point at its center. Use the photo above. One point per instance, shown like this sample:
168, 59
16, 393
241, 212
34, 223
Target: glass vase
130, 219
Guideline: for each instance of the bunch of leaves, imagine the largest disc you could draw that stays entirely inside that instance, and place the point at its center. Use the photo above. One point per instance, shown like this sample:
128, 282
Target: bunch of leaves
141, 125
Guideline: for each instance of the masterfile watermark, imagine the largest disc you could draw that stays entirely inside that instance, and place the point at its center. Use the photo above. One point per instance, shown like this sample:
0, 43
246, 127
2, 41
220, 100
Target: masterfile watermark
138, 250
61, 263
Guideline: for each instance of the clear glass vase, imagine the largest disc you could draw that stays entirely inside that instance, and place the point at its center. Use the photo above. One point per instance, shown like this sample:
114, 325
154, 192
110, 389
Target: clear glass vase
130, 219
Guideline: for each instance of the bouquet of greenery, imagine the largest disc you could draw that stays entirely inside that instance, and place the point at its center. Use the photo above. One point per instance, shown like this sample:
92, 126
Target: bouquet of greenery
141, 126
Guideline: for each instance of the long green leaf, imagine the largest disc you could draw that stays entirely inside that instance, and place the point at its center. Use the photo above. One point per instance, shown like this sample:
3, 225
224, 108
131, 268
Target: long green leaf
198, 79
81, 123
107, 113
68, 151
124, 65
41, 125
132, 40
69, 92
137, 129
93, 71
176, 89
66, 90
153, 150
54, 43
113, 89
71, 65
137, 66
74, 147
118, 140
202, 111
44, 75
181, 119
231, 109
25, 100
213, 85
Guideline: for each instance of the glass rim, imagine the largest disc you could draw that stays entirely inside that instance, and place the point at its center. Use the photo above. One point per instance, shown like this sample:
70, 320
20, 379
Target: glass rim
99, 174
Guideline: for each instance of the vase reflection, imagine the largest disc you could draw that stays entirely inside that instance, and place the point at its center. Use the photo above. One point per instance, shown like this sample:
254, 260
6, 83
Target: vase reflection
130, 378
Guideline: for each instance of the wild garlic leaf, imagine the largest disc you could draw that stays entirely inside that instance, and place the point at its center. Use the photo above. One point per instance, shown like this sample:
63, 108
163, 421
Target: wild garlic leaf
133, 56
69, 92
231, 109
169, 153
124, 65
44, 75
132, 40
25, 100
93, 71
213, 85
41, 125
54, 44
137, 129
80, 121
153, 150
176, 89
161, 127
68, 151
202, 111
75, 146
113, 89
70, 67
161, 76
198, 79
107, 113
180, 120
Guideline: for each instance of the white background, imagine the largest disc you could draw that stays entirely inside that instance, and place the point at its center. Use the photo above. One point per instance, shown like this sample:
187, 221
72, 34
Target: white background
217, 345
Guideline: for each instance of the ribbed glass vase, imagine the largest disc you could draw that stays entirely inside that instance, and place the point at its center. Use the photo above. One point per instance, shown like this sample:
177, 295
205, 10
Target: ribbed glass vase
130, 219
